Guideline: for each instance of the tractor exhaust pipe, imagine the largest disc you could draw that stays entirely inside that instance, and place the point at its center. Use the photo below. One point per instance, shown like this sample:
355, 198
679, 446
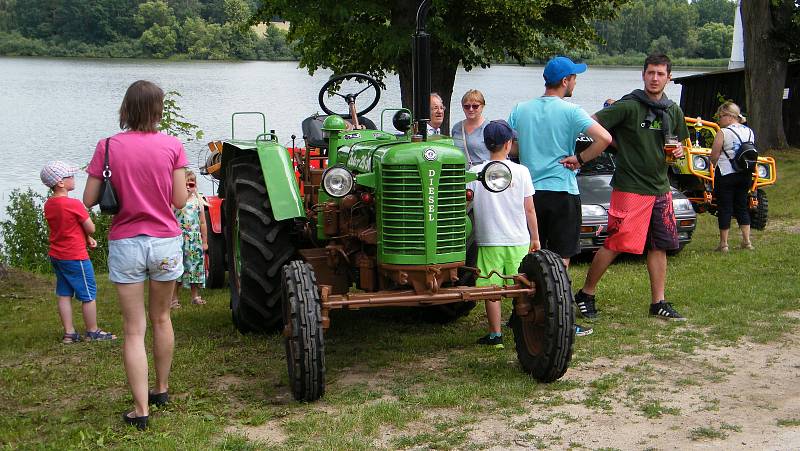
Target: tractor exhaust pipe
421, 68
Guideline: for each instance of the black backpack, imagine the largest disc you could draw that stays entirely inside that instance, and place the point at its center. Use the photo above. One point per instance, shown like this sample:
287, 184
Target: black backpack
746, 156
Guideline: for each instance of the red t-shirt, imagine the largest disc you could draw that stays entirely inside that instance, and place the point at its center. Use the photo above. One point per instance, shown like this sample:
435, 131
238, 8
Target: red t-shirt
67, 239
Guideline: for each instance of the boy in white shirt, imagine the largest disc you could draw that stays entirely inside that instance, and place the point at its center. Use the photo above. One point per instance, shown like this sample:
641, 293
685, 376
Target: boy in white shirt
505, 223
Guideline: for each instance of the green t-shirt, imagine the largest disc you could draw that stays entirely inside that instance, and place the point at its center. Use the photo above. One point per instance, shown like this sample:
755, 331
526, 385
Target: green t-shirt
641, 167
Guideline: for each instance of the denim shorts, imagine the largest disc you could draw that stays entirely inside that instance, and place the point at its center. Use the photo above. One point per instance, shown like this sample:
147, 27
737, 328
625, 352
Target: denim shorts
132, 260
75, 278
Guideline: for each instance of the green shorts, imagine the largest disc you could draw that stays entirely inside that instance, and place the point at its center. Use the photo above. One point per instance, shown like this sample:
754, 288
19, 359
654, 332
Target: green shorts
503, 259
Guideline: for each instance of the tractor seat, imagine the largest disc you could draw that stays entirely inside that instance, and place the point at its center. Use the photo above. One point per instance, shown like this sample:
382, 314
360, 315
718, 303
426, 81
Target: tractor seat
312, 129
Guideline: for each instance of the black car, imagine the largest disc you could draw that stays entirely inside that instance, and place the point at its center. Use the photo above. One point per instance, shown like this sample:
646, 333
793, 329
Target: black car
594, 182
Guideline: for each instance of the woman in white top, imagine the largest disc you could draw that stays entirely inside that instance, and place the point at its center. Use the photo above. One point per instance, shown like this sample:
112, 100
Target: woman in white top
468, 134
731, 187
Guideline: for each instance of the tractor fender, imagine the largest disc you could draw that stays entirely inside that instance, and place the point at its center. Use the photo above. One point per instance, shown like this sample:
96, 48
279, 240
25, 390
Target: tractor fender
215, 213
280, 179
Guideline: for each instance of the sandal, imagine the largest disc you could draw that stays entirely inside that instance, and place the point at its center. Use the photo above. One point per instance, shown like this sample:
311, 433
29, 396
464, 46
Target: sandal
139, 422
71, 338
158, 399
198, 301
175, 304
722, 248
748, 246
100, 335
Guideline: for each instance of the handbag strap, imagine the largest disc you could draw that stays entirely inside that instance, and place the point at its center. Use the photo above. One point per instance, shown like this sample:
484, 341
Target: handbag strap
466, 147
106, 168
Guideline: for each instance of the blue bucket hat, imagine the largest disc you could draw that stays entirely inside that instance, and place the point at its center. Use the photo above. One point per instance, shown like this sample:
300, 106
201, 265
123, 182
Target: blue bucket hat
560, 67
496, 133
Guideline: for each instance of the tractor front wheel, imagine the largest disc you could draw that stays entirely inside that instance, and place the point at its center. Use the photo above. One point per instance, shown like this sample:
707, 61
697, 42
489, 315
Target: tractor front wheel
544, 336
759, 214
305, 346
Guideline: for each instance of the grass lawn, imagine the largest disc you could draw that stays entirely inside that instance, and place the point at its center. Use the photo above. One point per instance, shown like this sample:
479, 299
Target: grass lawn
386, 369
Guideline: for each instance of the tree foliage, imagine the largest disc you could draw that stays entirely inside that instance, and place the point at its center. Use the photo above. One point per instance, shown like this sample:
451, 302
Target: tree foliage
373, 36
683, 28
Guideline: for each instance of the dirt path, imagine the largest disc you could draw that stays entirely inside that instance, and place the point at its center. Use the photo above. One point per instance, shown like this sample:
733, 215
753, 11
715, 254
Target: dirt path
720, 398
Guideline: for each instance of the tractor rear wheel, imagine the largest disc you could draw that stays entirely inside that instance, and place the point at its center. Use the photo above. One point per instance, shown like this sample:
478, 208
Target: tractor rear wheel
305, 345
758, 215
544, 336
257, 245
215, 257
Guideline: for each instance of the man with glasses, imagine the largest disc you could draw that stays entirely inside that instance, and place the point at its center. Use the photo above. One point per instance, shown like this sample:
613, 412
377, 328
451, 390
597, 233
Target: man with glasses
437, 115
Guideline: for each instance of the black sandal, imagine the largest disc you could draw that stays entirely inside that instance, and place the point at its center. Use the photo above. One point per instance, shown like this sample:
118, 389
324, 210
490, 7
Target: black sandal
139, 422
158, 399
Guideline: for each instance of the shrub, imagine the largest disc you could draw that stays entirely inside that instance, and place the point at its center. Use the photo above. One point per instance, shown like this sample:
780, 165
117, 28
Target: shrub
25, 232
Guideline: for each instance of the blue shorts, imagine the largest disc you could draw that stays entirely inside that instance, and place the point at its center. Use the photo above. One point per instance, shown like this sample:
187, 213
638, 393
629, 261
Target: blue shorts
132, 260
75, 278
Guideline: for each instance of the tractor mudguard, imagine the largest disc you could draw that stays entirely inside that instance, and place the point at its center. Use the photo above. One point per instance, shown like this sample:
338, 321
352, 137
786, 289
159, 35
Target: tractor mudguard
215, 212
279, 176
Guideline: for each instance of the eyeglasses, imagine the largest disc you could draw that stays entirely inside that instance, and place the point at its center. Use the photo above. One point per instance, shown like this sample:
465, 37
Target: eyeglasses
471, 106
438, 108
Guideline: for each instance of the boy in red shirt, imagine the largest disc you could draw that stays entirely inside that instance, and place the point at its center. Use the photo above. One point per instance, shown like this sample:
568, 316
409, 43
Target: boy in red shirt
70, 230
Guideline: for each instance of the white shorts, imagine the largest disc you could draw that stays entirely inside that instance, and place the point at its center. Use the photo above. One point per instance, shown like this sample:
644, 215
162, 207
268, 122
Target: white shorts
132, 260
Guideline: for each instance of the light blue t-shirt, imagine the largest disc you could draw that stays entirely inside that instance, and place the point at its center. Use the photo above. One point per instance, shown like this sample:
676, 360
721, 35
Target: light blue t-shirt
547, 128
476, 150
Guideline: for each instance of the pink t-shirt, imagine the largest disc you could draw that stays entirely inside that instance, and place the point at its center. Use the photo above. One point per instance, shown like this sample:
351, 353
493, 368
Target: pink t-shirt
141, 171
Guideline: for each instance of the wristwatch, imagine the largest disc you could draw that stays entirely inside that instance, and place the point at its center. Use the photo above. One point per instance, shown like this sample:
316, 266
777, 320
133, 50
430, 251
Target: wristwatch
580, 160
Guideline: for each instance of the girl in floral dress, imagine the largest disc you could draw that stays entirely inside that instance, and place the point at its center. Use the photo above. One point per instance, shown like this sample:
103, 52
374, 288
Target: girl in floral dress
192, 220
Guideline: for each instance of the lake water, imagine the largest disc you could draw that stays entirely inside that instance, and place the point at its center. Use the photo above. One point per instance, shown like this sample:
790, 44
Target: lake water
59, 108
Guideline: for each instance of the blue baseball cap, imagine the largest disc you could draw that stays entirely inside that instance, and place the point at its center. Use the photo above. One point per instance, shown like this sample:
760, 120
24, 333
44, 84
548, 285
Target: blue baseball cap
560, 67
496, 133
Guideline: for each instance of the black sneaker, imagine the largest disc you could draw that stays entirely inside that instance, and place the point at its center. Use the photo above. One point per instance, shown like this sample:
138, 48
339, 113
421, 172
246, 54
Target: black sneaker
664, 310
585, 303
496, 342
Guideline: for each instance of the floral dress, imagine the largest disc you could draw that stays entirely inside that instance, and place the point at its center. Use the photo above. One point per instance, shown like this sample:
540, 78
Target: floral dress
189, 221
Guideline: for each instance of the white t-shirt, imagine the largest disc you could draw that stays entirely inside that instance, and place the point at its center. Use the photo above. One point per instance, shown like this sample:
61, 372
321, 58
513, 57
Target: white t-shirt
730, 145
500, 217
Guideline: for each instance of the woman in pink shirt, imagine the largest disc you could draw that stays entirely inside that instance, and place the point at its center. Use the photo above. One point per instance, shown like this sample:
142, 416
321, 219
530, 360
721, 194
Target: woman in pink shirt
147, 171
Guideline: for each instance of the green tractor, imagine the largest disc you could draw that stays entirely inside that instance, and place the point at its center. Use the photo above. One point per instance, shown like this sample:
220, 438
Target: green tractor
365, 217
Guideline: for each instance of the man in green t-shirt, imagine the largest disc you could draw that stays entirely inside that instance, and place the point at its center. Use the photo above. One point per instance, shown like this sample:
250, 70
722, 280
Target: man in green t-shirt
641, 213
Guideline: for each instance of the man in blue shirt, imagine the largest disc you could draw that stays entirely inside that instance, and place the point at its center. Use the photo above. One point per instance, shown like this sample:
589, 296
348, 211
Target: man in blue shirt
547, 127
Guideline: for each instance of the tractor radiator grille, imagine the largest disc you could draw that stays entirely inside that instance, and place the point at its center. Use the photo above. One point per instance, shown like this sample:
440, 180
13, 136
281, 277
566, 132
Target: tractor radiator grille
404, 210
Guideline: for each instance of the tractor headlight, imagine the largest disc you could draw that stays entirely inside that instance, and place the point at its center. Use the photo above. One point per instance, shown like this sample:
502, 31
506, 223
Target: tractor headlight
495, 176
700, 163
592, 210
762, 170
681, 205
337, 181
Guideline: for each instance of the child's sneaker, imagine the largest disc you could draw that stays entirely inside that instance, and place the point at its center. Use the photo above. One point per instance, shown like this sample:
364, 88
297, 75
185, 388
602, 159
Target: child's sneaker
99, 335
581, 331
664, 310
585, 303
489, 340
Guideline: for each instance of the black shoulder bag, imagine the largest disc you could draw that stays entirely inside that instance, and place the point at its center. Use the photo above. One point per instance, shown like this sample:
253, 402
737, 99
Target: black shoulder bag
109, 204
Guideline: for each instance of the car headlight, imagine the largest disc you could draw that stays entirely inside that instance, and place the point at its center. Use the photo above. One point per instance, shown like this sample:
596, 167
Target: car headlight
337, 181
680, 205
700, 162
592, 210
495, 176
763, 171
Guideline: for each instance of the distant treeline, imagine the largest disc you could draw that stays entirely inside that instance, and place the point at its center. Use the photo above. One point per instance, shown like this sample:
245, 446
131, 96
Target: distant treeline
694, 32
196, 29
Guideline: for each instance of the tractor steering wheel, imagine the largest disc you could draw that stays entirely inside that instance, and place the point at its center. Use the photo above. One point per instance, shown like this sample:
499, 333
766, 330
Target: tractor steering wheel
350, 99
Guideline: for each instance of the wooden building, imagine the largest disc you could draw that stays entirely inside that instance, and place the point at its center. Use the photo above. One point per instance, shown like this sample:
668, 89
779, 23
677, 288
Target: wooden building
701, 94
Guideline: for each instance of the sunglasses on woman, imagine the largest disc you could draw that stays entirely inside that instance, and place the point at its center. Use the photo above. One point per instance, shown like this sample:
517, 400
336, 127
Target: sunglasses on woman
471, 106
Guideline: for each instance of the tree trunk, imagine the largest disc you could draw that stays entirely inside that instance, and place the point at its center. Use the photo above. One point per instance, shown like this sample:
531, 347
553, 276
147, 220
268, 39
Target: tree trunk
443, 76
766, 62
